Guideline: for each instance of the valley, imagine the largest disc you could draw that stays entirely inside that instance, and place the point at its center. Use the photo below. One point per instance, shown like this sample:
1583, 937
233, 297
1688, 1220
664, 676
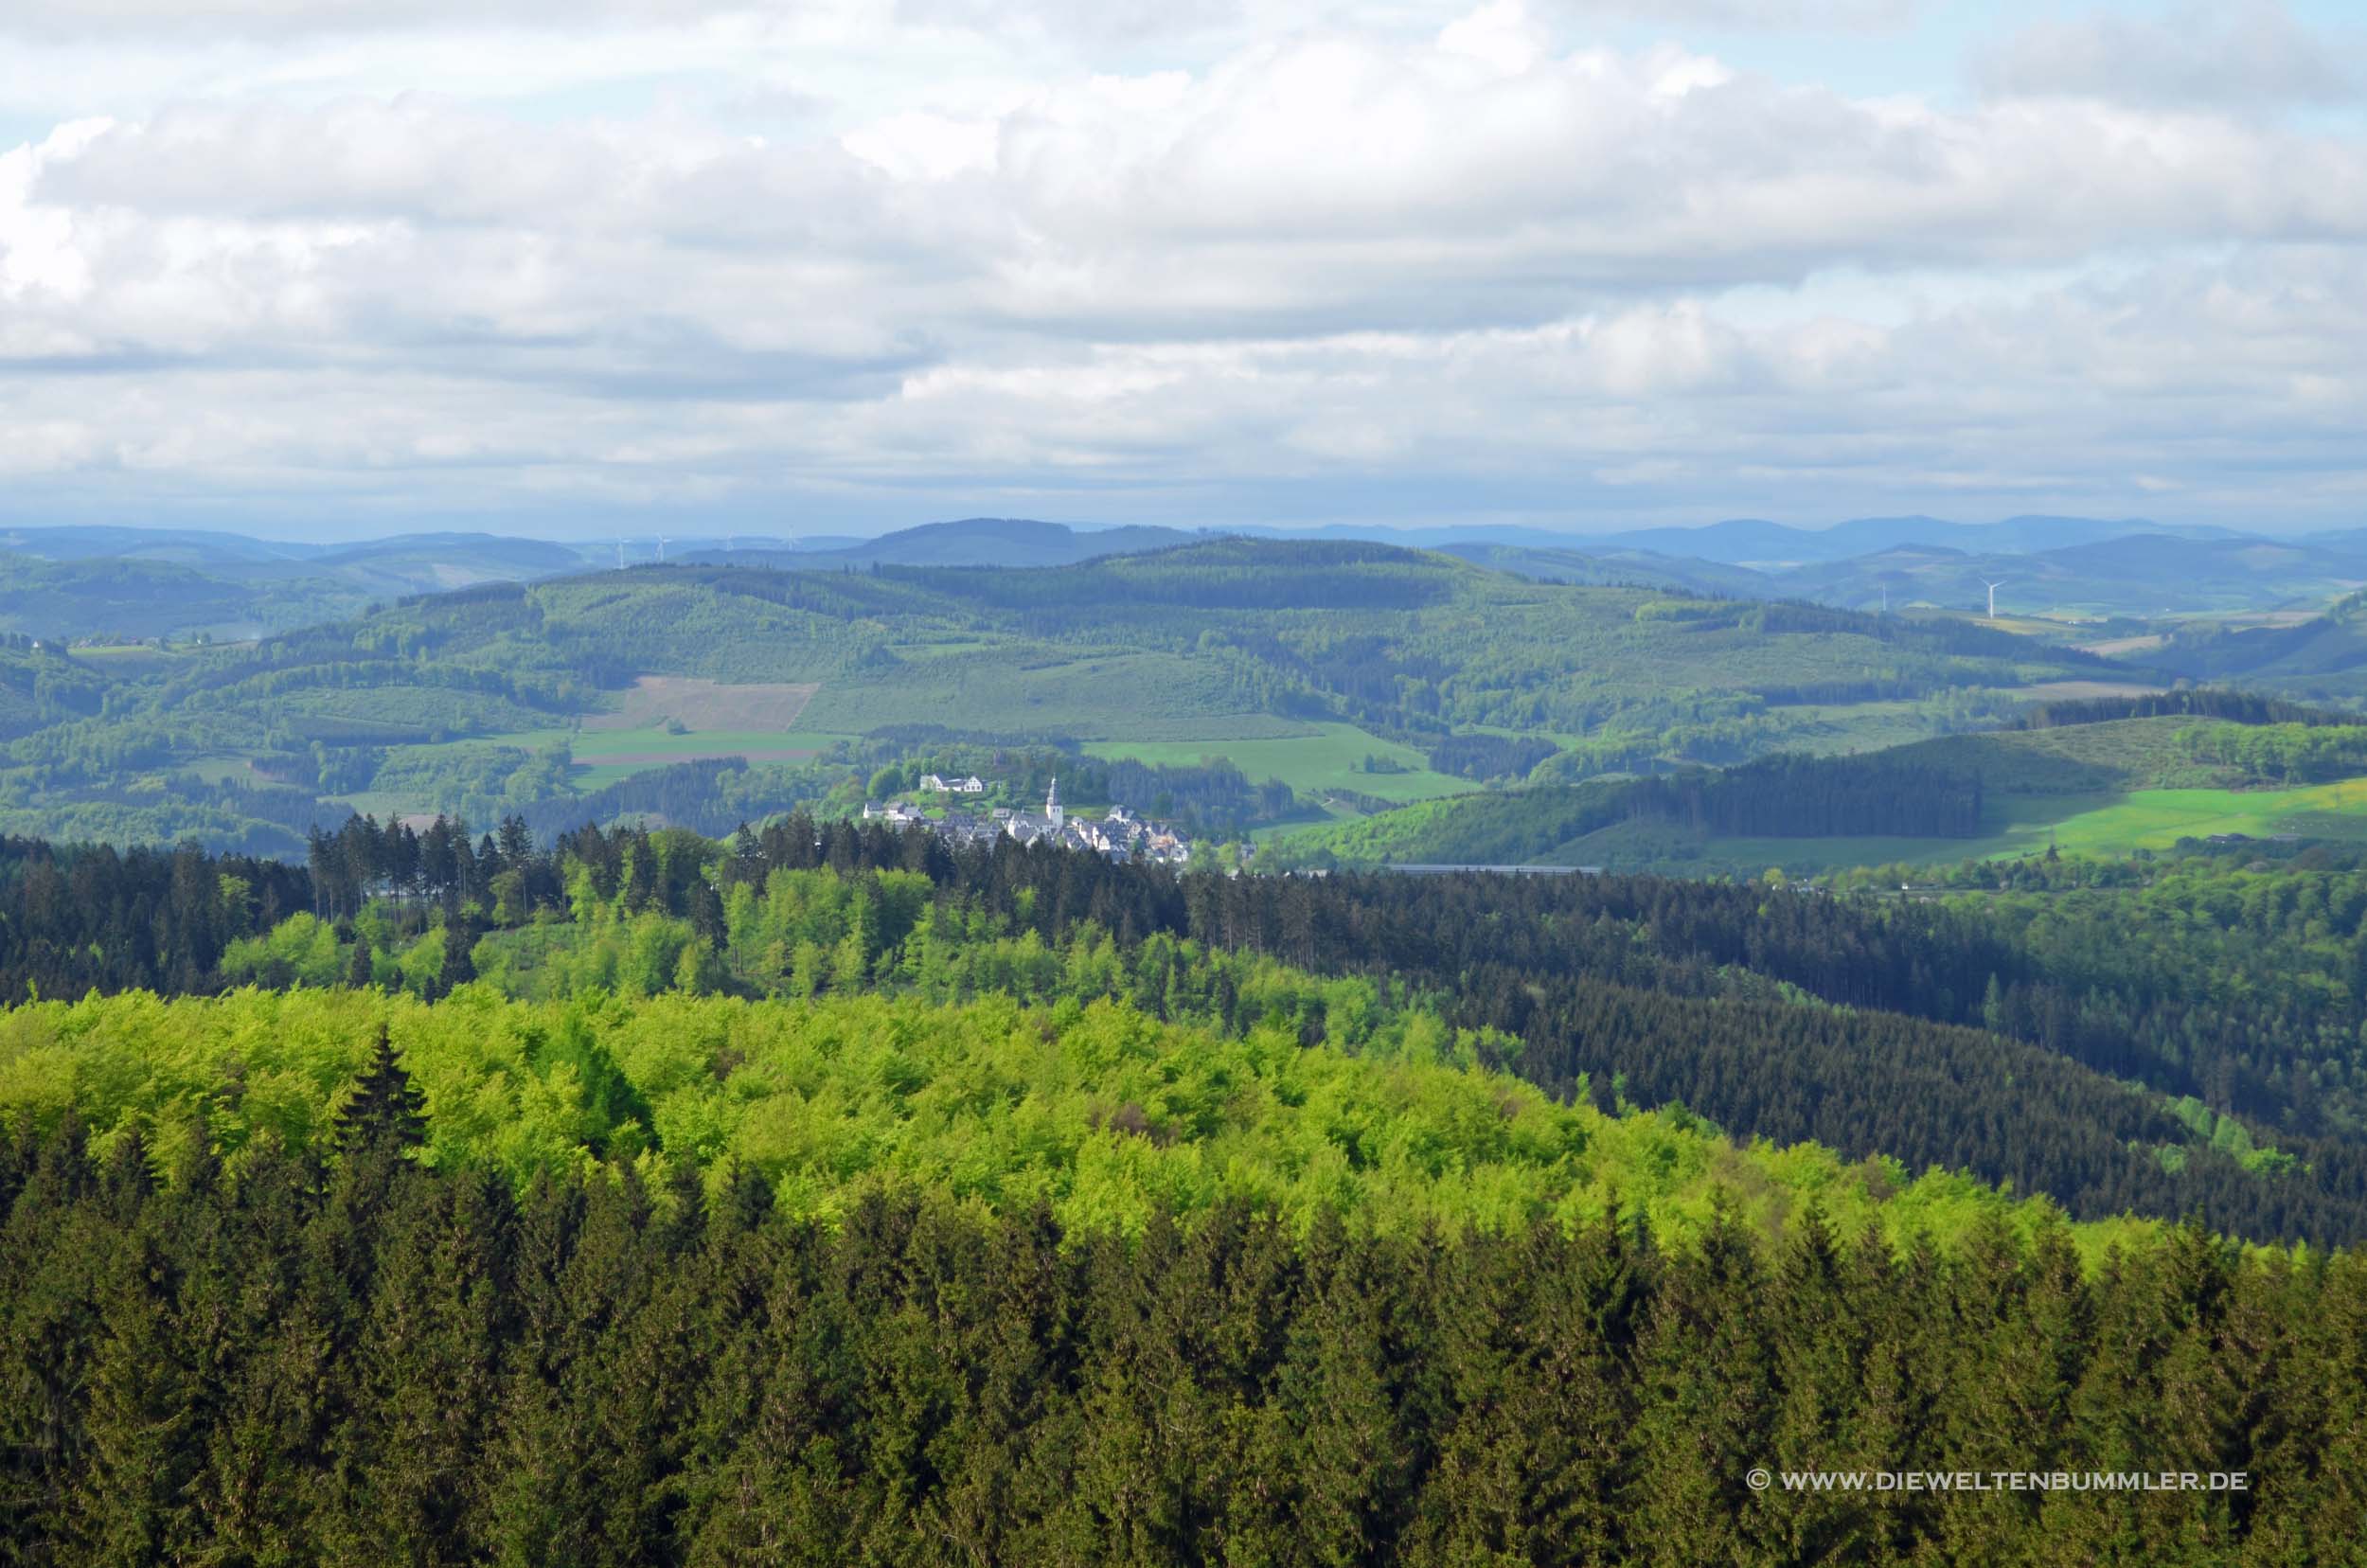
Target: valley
1306, 660
619, 919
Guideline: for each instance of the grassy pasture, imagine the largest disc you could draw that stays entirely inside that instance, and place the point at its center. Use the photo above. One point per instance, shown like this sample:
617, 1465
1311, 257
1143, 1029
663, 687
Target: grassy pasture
126, 660
2103, 823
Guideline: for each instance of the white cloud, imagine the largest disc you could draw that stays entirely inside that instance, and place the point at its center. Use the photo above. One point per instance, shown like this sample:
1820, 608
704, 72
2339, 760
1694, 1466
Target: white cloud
2247, 53
1470, 261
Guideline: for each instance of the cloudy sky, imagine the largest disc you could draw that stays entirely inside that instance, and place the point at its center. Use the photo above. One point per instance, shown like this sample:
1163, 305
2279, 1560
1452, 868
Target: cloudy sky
574, 266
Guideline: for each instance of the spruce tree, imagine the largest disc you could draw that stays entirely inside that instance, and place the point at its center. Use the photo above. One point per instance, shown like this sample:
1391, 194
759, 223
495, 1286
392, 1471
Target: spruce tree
386, 1111
358, 970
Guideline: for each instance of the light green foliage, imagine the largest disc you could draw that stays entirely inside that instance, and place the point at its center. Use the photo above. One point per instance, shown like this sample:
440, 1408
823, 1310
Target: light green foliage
2284, 754
2229, 1136
1098, 1110
300, 951
814, 933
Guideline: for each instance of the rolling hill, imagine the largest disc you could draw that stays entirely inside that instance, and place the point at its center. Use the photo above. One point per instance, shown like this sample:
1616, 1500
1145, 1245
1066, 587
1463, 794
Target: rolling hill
133, 584
2109, 788
1750, 541
971, 541
1210, 646
105, 582
2140, 575
2321, 657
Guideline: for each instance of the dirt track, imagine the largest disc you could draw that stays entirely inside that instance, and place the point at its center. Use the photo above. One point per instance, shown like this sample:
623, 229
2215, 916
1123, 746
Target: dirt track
659, 759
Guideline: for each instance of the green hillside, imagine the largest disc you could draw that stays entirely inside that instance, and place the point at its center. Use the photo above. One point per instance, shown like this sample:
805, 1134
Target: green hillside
1099, 1112
943, 1298
2107, 788
2322, 658
1296, 662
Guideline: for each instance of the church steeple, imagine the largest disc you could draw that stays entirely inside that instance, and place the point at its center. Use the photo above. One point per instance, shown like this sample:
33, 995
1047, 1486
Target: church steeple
1052, 812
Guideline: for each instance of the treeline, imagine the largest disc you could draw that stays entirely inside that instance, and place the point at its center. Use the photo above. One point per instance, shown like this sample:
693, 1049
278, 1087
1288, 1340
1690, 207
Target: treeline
2239, 707
1776, 1014
1667, 990
1485, 756
369, 1359
75, 918
2291, 752
1785, 795
1208, 799
710, 796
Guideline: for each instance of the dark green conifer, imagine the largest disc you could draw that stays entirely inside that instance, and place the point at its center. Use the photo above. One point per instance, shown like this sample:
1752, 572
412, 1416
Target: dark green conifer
386, 1111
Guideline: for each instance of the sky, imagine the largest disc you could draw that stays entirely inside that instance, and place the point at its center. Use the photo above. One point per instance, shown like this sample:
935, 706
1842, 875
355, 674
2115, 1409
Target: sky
334, 268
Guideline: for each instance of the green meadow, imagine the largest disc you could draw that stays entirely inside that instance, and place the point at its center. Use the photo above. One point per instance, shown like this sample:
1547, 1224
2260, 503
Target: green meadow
2104, 824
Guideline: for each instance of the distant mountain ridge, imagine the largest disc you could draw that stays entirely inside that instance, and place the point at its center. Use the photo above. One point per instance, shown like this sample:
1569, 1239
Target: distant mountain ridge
2143, 575
1752, 541
971, 541
115, 581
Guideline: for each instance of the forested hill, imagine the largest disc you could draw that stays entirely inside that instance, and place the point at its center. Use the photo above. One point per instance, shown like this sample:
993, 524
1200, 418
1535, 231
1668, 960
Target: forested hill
821, 1196
1942, 1038
249, 746
340, 1352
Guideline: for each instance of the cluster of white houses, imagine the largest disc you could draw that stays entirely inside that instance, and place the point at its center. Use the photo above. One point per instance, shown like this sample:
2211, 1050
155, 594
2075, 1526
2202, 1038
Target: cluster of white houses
1120, 835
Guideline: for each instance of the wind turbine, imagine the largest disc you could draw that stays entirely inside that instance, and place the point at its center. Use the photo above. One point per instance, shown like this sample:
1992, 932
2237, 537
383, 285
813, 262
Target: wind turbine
1993, 587
620, 552
660, 555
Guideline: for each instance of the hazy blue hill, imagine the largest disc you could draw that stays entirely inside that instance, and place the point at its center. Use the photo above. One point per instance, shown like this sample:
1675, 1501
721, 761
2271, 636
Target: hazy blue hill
2137, 575
526, 555
181, 546
2141, 574
243, 586
1011, 542
968, 541
101, 582
1753, 542
426, 563
1734, 541
132, 596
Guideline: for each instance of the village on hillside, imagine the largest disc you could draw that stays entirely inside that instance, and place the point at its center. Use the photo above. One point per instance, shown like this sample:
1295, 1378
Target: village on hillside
1118, 835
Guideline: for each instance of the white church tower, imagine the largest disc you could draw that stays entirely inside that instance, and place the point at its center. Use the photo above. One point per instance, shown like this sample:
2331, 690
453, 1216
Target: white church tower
1052, 812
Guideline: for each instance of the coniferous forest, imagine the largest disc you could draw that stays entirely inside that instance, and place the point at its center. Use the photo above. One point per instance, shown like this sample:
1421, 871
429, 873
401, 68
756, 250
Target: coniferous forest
359, 1357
